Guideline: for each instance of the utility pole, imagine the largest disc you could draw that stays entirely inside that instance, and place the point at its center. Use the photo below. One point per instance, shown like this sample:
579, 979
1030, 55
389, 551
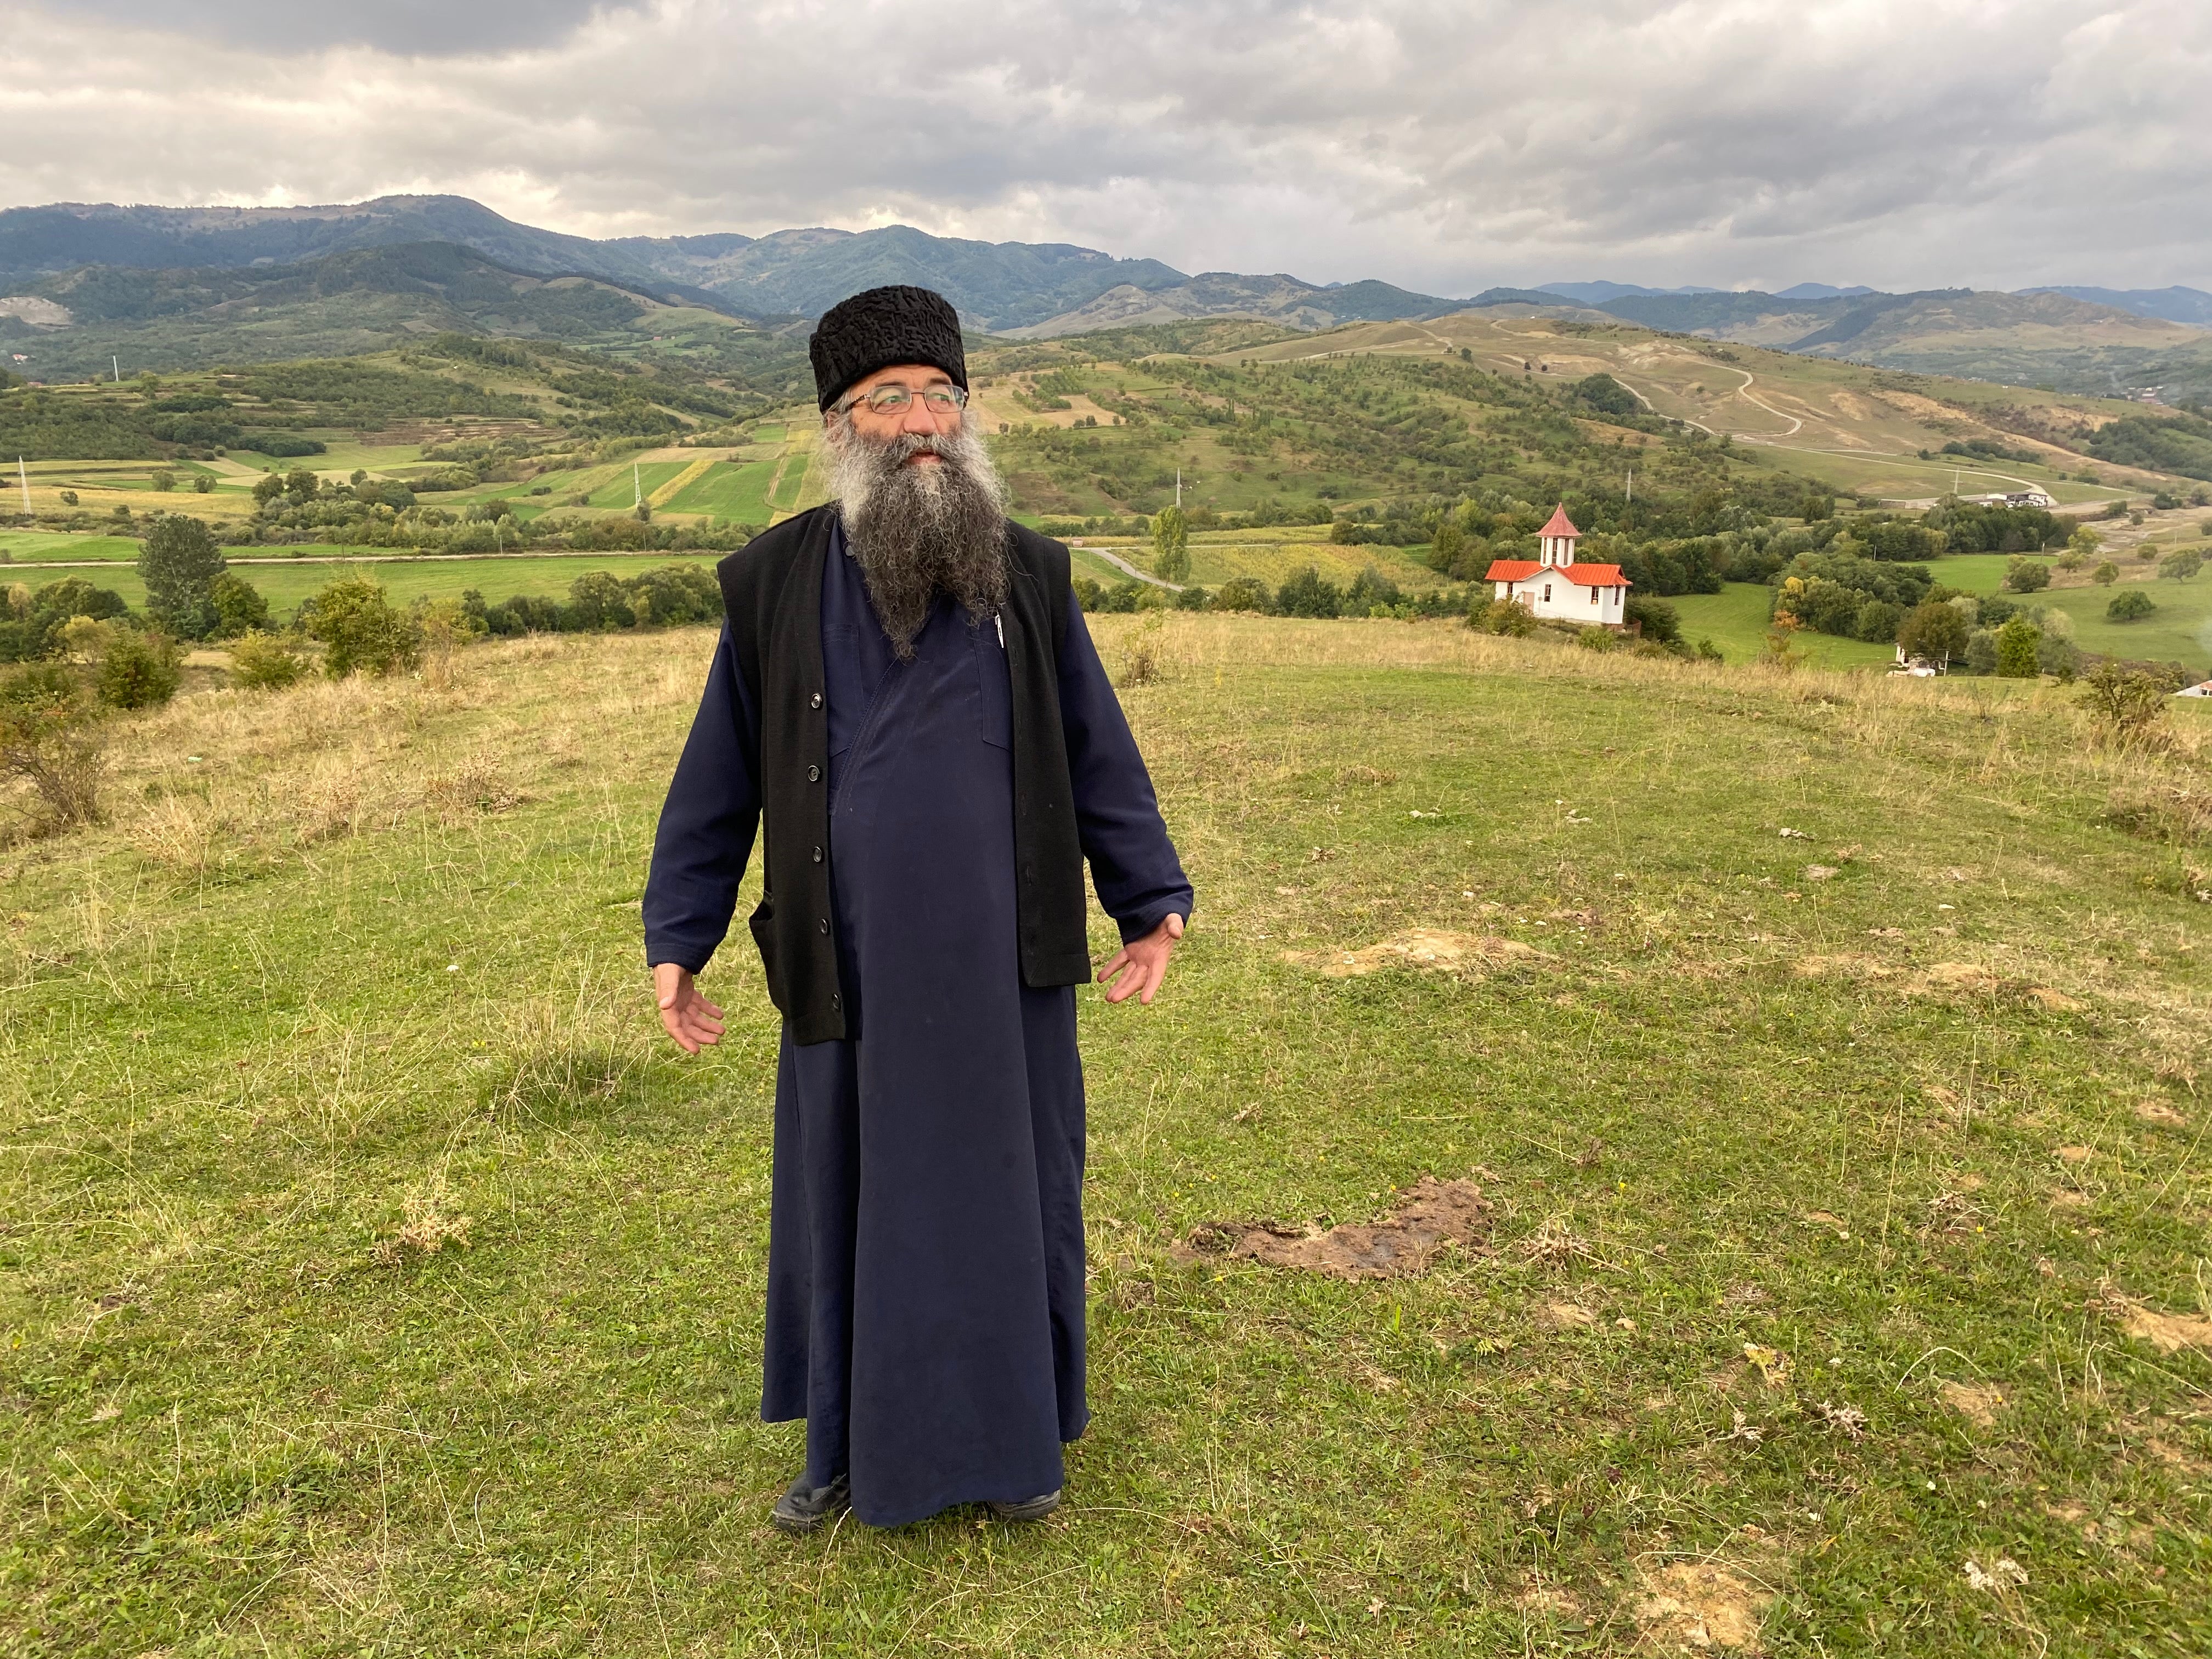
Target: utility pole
24, 478
1632, 484
1178, 487
116, 363
636, 489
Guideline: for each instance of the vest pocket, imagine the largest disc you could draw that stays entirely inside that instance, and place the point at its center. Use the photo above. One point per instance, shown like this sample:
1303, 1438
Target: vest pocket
994, 697
761, 923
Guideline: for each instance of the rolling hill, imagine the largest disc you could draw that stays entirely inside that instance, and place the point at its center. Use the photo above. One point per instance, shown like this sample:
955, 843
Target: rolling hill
364, 300
998, 286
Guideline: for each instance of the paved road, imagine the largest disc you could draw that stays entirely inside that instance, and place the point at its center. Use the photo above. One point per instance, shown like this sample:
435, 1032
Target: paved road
1120, 563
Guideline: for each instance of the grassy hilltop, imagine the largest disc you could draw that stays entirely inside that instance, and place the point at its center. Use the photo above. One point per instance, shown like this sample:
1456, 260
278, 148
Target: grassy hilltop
1827, 1051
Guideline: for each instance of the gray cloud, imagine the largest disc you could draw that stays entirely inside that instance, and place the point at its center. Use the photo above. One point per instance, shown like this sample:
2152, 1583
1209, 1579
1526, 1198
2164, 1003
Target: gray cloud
1442, 146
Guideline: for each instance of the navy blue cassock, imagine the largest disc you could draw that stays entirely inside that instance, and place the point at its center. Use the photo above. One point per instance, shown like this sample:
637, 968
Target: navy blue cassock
925, 1274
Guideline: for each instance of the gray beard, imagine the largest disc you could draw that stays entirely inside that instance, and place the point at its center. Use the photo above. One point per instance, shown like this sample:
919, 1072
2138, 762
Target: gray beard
922, 531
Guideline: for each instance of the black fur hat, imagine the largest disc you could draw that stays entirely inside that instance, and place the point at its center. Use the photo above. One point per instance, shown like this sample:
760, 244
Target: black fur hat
880, 327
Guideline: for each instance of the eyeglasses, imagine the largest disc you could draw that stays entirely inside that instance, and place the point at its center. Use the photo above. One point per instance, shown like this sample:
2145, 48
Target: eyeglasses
898, 399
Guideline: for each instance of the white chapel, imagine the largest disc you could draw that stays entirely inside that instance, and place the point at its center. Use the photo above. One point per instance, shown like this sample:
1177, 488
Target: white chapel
1555, 585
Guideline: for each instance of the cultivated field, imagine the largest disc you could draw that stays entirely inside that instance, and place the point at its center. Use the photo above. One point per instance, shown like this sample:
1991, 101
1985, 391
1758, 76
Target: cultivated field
1828, 1056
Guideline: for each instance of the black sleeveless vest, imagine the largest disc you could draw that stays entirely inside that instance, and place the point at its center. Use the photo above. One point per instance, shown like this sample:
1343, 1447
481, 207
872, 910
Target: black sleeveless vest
772, 592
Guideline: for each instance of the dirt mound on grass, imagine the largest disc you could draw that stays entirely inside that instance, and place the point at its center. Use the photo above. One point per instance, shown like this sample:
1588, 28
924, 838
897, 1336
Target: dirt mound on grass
1466, 954
2169, 1333
1702, 1606
1432, 1215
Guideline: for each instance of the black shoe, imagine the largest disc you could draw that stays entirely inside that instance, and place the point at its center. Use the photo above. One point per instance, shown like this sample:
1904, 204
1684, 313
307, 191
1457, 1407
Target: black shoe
1028, 1509
804, 1508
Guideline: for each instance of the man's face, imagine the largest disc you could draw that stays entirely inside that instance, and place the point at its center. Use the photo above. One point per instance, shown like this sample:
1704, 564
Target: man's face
921, 415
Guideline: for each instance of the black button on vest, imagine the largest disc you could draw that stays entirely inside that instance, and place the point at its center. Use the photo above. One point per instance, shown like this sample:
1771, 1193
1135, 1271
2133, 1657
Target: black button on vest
771, 592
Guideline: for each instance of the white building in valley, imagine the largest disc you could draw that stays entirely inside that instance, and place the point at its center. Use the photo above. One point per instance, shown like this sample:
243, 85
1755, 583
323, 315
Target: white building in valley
1555, 585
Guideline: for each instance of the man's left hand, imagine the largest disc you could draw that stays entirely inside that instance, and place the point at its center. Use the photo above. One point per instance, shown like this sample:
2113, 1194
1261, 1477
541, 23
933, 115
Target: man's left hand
1145, 960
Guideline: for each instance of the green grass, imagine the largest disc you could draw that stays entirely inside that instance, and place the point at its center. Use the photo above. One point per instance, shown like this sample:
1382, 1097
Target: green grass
33, 546
729, 490
352, 956
621, 491
1734, 619
2180, 631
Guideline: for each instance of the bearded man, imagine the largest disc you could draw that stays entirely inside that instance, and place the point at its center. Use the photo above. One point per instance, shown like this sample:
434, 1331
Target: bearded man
905, 694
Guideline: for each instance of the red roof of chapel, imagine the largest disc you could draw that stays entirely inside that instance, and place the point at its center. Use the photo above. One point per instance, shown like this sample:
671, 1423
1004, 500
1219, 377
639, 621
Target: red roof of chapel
1561, 524
1583, 576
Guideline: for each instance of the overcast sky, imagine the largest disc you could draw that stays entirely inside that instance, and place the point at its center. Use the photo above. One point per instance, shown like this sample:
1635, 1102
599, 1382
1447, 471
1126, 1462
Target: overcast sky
1444, 146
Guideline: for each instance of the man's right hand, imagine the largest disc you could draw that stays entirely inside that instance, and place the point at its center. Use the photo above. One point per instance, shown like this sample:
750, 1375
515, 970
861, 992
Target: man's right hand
692, 1020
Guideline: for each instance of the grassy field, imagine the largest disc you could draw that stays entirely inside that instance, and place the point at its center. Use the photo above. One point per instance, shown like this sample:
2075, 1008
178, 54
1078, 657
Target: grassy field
1734, 619
1842, 1289
730, 489
621, 490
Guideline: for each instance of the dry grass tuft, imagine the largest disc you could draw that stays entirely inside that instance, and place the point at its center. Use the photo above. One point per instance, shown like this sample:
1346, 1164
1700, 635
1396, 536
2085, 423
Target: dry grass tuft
427, 1230
179, 833
473, 789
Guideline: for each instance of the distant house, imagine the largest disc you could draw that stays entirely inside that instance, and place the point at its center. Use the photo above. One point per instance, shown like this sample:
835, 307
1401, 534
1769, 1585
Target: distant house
2030, 497
1555, 585
2203, 688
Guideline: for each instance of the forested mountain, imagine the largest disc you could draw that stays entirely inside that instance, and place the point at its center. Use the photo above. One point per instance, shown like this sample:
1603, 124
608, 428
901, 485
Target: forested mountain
362, 300
996, 285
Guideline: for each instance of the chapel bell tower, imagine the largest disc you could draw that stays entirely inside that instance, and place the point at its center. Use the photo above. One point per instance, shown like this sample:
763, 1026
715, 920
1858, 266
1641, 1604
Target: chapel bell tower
1556, 545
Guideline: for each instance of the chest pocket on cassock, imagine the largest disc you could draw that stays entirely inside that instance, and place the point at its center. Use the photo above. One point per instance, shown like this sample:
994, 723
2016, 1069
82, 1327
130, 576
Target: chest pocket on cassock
994, 701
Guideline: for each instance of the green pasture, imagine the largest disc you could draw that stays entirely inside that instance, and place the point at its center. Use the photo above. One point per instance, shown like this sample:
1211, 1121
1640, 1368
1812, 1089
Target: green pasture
1905, 478
378, 1280
729, 490
2180, 631
624, 491
1734, 619
30, 546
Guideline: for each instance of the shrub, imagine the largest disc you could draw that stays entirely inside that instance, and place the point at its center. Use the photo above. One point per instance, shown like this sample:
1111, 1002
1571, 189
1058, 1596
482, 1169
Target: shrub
2106, 574
48, 738
1193, 598
1508, 617
1660, 620
2131, 606
2058, 657
1600, 640
264, 662
1878, 622
1243, 593
1982, 652
360, 630
2124, 702
2024, 575
2180, 567
239, 606
137, 671
1308, 593
1935, 630
1368, 589
2016, 643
